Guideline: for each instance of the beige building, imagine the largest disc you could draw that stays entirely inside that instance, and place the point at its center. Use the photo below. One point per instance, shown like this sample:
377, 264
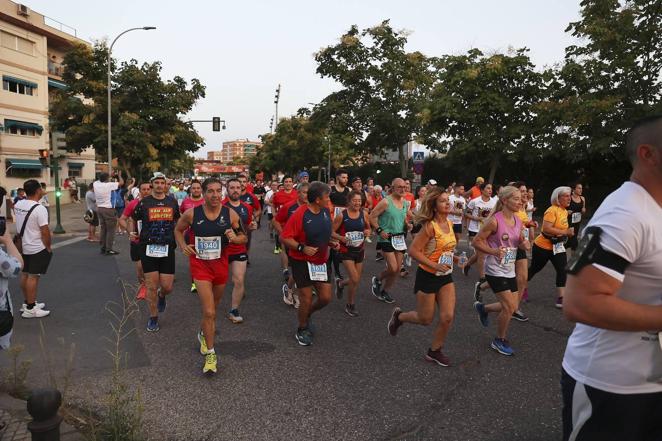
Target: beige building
32, 47
240, 149
214, 156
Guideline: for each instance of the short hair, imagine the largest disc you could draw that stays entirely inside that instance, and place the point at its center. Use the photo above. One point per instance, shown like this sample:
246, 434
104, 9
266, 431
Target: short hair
558, 191
195, 181
31, 187
143, 183
316, 190
241, 175
287, 177
103, 177
641, 133
207, 182
341, 171
353, 193
303, 185
227, 183
483, 185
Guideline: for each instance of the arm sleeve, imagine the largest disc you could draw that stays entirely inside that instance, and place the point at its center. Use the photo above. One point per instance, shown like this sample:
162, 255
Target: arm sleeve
42, 215
10, 267
550, 216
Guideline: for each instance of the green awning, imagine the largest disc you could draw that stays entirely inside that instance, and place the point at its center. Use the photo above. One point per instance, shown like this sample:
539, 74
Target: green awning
57, 84
19, 81
75, 164
9, 123
25, 164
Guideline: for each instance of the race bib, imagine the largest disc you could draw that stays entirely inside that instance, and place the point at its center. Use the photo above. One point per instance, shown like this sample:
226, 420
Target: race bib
558, 248
318, 273
155, 250
398, 242
510, 256
525, 233
139, 225
446, 259
576, 217
208, 248
354, 238
337, 211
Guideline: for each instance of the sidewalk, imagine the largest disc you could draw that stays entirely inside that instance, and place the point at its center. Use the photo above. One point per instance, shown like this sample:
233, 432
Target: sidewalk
14, 413
71, 219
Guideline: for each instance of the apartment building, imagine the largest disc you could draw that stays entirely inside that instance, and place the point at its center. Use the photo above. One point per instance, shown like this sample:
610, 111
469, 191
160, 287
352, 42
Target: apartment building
214, 156
239, 149
32, 48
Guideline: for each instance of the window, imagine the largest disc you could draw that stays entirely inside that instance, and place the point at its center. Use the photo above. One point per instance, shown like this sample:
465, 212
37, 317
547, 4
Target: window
22, 128
15, 85
16, 43
75, 172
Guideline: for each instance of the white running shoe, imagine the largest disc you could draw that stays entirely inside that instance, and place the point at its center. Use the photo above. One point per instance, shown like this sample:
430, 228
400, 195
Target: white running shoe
36, 305
296, 301
287, 295
35, 313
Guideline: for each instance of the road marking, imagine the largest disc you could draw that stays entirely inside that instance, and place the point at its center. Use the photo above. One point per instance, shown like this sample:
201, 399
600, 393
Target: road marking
67, 242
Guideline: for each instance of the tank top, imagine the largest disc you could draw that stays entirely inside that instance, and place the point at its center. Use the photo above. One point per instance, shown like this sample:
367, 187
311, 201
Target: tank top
353, 230
209, 236
392, 220
575, 213
442, 244
505, 236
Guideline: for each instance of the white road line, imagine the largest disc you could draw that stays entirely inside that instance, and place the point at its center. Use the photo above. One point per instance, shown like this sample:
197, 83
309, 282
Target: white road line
67, 242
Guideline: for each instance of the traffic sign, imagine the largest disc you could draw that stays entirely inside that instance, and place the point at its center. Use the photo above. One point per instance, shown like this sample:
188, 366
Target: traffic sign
419, 156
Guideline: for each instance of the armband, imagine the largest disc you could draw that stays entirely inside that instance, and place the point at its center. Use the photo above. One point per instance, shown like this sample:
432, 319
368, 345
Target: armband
300, 247
379, 230
590, 251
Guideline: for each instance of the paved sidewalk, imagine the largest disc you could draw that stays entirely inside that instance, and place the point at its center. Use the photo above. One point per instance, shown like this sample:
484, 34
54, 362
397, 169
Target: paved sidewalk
13, 412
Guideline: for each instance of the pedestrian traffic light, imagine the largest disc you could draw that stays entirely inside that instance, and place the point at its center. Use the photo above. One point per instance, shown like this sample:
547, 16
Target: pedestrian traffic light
216, 124
43, 157
58, 193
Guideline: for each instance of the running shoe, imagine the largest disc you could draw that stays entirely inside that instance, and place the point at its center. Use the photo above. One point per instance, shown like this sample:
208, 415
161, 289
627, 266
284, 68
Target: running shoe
304, 337
407, 259
379, 257
339, 288
482, 314
286, 275
386, 298
403, 271
394, 322
351, 310
276, 250
34, 313
193, 288
368, 239
478, 295
112, 253
502, 347
438, 357
287, 295
235, 317
295, 298
520, 316
211, 362
203, 343
37, 305
376, 287
559, 302
161, 305
153, 324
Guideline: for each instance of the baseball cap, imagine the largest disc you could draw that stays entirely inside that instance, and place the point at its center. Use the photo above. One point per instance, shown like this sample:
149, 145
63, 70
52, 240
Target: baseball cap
304, 173
157, 175
480, 180
432, 182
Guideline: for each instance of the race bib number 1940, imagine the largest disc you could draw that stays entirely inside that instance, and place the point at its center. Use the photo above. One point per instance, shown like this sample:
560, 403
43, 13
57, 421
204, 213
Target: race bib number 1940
318, 273
155, 250
208, 248
398, 242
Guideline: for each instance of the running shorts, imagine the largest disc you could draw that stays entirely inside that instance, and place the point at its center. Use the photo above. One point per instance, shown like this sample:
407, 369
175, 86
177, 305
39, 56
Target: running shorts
302, 277
457, 228
386, 247
500, 284
356, 256
472, 233
134, 249
521, 254
37, 264
428, 283
214, 271
161, 265
241, 257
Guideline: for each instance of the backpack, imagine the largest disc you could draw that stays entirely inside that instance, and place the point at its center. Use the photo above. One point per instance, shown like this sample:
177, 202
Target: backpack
116, 199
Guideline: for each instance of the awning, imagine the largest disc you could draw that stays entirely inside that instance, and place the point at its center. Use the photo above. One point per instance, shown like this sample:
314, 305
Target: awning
9, 123
19, 81
25, 164
57, 84
75, 164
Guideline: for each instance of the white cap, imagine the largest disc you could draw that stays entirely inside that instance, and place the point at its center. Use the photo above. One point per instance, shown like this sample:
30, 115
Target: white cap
432, 182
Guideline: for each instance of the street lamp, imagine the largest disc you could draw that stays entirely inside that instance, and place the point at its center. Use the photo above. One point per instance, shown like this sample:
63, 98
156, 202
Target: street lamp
110, 50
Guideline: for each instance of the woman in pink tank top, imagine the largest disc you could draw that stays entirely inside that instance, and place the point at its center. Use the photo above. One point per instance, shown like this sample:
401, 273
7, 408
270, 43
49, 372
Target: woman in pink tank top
499, 239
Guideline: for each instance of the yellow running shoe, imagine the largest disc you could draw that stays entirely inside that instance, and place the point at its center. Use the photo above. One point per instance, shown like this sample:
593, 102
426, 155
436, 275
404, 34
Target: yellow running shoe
203, 343
210, 363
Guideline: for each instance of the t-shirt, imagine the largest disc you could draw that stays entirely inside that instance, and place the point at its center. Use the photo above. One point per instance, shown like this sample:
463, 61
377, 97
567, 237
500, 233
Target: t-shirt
135, 192
310, 229
617, 361
339, 198
267, 198
245, 213
479, 208
250, 199
90, 200
32, 243
558, 217
286, 211
475, 192
180, 195
411, 199
457, 203
158, 218
281, 198
102, 191
190, 203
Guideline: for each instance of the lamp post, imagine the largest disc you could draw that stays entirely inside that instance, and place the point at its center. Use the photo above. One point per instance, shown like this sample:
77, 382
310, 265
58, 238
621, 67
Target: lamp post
110, 50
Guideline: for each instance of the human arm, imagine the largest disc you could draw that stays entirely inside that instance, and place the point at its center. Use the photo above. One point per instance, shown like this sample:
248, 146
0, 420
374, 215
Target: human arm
290, 233
335, 226
549, 220
14, 267
480, 241
236, 234
374, 218
183, 224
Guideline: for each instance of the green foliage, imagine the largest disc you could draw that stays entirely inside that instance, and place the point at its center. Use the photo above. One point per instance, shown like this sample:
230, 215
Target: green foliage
147, 126
14, 380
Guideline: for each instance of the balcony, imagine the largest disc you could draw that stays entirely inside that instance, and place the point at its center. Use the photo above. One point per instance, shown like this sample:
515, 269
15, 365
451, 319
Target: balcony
55, 69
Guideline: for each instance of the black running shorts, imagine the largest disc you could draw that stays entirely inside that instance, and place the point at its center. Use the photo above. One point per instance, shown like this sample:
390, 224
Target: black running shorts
428, 283
36, 264
301, 275
161, 265
500, 284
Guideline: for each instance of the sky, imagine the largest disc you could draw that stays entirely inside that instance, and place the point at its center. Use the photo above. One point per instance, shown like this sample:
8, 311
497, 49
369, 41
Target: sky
242, 50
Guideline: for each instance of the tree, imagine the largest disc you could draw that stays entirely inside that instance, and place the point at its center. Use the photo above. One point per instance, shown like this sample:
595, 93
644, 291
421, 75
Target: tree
148, 132
383, 89
483, 107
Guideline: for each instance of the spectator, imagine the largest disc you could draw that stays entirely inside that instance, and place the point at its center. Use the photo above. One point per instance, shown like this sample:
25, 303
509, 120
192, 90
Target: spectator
180, 194
107, 215
11, 263
91, 202
44, 199
20, 195
117, 199
32, 226
73, 190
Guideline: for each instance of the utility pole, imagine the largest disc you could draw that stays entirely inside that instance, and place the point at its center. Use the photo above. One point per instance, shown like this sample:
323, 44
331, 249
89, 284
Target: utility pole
55, 166
276, 99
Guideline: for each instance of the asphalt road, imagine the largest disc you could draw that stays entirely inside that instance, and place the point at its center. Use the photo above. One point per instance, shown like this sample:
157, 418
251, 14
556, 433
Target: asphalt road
355, 382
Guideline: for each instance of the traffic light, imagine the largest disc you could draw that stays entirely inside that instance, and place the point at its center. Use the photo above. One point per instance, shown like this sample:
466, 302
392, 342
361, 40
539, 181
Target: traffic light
43, 157
216, 124
58, 193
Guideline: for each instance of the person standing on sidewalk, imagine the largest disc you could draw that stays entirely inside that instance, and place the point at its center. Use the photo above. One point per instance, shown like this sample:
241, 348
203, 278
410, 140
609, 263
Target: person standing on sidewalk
91, 203
107, 215
11, 263
32, 226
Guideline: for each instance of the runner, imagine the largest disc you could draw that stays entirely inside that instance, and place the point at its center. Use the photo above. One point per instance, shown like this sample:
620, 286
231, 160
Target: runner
194, 199
249, 199
155, 215
307, 236
433, 248
388, 219
499, 239
351, 228
458, 205
215, 227
522, 261
357, 185
303, 177
530, 207
612, 369
476, 191
550, 243
126, 220
290, 296
338, 198
273, 188
260, 190
237, 253
478, 210
282, 197
576, 211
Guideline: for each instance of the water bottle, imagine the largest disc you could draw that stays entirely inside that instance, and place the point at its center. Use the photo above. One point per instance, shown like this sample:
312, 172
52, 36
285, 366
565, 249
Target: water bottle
463, 259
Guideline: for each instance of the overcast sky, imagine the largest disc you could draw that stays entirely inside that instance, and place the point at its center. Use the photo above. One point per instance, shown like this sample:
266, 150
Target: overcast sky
241, 50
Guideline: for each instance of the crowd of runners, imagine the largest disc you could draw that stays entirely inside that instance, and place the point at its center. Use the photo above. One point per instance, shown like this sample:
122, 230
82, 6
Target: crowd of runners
321, 231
